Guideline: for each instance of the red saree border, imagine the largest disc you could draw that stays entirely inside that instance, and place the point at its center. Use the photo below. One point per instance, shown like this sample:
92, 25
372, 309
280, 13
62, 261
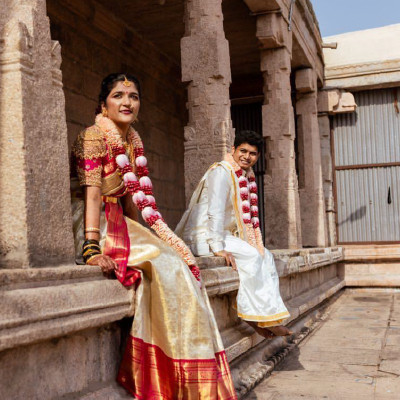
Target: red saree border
149, 374
118, 244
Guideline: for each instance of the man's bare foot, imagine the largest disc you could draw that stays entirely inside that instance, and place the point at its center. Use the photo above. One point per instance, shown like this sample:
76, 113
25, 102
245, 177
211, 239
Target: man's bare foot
261, 331
279, 330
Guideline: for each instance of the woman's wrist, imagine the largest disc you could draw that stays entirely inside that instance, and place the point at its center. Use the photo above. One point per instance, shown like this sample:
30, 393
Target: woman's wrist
92, 236
90, 249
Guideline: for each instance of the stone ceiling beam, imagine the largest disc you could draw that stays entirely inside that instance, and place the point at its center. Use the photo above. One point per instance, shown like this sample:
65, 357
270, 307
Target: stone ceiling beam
304, 27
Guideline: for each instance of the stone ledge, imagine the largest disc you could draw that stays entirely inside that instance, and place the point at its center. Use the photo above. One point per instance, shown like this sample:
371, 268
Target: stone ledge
373, 281
374, 253
50, 276
43, 303
222, 279
290, 262
39, 305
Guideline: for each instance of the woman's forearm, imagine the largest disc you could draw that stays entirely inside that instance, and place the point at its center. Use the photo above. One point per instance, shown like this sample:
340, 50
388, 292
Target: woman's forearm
92, 212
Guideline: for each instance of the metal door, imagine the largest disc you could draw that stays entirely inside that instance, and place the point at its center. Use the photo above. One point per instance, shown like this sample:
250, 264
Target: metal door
367, 169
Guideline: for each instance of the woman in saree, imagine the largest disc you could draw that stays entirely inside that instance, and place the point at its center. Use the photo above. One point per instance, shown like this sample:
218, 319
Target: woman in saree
174, 350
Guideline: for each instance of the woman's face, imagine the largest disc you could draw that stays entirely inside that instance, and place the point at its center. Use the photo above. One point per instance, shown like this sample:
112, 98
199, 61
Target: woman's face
123, 103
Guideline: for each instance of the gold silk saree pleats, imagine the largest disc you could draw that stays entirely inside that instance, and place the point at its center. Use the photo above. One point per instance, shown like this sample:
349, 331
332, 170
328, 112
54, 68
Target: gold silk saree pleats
174, 350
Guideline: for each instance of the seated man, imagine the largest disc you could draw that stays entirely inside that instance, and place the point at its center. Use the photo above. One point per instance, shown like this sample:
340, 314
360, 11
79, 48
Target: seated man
222, 219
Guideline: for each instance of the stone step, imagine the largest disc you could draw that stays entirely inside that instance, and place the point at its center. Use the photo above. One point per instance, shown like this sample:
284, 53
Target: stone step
110, 392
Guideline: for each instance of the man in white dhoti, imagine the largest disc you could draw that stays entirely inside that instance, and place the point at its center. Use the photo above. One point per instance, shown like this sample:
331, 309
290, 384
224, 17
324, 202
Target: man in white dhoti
222, 219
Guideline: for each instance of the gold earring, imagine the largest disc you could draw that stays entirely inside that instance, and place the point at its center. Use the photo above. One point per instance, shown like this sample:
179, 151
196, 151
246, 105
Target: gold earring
104, 112
135, 120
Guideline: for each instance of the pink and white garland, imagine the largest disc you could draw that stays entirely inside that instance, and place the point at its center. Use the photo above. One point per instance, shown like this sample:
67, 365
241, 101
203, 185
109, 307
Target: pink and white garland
248, 194
142, 189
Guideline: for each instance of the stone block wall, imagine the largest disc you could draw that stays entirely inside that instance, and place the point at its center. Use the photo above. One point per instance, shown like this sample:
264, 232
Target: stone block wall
94, 44
63, 366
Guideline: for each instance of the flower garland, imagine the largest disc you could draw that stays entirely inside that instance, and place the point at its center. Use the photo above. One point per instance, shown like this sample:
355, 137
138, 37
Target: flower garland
142, 189
248, 194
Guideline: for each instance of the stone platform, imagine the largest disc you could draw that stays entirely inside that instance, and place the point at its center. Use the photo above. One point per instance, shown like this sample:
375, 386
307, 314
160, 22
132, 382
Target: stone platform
69, 322
353, 354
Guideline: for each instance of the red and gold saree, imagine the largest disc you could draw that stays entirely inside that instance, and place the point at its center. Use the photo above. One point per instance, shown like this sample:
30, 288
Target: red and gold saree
174, 349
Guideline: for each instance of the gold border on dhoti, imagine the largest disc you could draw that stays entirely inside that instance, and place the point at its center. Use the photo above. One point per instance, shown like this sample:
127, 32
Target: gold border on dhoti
269, 318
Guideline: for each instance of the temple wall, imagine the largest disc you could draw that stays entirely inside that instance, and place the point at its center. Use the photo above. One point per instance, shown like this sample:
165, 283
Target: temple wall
93, 45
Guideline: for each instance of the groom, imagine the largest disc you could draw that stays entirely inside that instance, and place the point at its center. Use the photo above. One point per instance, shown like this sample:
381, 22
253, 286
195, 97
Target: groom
222, 219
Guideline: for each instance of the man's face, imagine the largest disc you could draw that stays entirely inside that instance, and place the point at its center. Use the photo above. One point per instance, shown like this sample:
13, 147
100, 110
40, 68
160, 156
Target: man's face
245, 155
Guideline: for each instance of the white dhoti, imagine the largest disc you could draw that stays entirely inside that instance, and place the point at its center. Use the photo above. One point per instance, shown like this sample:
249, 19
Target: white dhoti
258, 298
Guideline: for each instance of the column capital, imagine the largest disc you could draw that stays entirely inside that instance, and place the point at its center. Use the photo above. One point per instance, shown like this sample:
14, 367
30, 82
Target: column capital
306, 80
272, 31
335, 101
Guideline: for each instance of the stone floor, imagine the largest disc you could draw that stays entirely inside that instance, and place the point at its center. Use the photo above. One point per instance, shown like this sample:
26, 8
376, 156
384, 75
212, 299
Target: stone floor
353, 355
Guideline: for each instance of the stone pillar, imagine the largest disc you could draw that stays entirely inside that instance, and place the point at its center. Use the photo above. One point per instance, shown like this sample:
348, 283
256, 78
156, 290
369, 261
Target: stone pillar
330, 102
35, 212
282, 209
312, 204
206, 70
327, 176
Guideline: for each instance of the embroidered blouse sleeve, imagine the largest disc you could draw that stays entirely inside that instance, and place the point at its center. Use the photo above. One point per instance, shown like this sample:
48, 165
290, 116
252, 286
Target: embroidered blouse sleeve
89, 149
218, 196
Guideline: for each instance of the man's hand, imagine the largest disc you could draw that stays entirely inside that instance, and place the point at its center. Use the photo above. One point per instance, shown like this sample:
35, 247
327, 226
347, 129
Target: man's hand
106, 263
230, 260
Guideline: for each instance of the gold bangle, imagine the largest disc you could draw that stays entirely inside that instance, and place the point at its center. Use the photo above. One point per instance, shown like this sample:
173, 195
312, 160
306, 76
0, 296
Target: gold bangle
87, 230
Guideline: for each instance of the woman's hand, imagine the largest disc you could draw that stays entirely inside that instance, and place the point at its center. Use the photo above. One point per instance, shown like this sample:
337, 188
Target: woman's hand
106, 263
230, 260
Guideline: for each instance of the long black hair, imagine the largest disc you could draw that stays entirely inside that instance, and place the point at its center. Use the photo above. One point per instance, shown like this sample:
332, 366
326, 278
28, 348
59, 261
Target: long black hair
108, 84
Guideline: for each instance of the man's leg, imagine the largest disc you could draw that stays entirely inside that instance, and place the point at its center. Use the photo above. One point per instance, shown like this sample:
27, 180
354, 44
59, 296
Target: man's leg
258, 298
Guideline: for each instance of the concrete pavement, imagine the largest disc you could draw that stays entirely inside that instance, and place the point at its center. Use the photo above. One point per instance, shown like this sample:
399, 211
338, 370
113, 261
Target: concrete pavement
353, 355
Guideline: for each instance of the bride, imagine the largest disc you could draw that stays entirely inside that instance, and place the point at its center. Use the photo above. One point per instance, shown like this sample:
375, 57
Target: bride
174, 349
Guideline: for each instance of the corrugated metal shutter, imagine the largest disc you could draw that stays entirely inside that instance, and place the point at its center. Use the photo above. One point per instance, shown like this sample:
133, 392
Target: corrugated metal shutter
367, 169
249, 117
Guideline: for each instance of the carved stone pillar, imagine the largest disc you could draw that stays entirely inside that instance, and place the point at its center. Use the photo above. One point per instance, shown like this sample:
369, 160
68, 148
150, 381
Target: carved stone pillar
312, 203
35, 213
206, 70
327, 176
282, 208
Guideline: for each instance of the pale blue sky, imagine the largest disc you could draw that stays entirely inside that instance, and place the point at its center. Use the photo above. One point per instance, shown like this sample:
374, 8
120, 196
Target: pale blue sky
340, 16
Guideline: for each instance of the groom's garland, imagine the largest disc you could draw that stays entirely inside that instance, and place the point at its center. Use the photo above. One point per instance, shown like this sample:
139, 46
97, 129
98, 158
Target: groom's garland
248, 195
142, 189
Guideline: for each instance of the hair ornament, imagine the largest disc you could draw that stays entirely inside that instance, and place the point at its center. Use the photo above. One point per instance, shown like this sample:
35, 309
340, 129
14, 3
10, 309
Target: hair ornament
126, 82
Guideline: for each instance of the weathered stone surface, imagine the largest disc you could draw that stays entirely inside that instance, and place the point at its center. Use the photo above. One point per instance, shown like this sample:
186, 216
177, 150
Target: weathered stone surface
52, 302
334, 101
312, 203
327, 177
282, 208
272, 31
91, 49
206, 71
34, 182
63, 366
371, 266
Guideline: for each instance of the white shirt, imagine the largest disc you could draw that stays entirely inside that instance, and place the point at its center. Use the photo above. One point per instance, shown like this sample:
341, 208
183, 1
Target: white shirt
212, 216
